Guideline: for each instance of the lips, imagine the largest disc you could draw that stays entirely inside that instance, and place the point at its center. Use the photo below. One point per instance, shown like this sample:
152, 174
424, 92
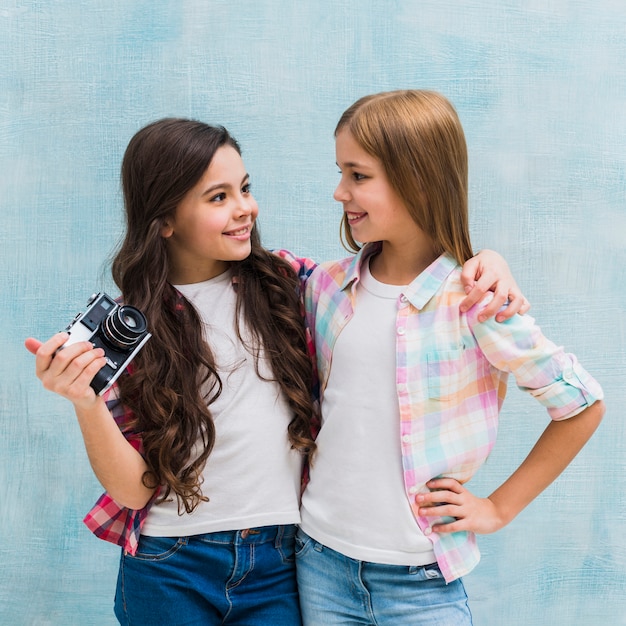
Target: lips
242, 232
354, 217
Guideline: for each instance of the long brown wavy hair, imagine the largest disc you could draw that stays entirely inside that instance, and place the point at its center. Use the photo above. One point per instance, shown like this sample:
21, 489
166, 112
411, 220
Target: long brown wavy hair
162, 162
419, 139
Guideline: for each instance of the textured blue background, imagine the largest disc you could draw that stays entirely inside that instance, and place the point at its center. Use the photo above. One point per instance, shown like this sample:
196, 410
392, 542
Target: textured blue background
540, 87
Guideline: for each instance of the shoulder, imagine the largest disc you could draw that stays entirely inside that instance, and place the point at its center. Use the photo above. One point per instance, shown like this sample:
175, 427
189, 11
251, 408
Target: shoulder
334, 272
300, 265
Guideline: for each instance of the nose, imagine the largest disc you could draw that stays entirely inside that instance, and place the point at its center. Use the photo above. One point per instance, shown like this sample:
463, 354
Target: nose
341, 194
246, 206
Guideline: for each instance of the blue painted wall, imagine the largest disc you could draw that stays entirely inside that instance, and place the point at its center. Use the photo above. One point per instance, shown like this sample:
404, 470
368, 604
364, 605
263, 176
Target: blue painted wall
541, 90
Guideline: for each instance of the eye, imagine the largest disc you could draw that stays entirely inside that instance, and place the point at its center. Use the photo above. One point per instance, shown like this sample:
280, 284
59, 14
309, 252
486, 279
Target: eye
220, 197
358, 176
246, 188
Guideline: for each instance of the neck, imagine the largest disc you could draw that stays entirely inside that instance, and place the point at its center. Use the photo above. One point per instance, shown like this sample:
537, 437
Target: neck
400, 265
190, 274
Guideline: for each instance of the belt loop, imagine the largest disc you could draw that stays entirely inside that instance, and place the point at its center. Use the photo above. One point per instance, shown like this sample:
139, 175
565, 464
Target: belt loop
279, 536
249, 531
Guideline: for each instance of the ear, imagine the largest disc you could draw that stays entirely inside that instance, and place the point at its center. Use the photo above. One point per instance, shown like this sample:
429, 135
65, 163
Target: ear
167, 230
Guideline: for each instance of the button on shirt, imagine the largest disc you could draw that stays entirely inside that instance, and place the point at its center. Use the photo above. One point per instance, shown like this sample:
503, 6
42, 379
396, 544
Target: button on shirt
451, 378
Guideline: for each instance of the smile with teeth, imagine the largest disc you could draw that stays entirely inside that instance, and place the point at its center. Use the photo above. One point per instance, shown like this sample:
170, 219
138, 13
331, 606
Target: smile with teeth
244, 231
354, 217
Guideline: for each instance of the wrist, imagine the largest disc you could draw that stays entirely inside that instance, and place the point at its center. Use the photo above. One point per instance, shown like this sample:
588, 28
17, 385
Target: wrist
503, 513
86, 407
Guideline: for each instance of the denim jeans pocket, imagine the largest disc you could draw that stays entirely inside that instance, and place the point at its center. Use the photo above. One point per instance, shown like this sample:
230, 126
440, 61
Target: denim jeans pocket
303, 543
158, 548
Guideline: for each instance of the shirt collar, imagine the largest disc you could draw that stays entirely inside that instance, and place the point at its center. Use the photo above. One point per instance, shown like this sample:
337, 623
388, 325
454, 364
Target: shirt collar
421, 289
426, 285
353, 273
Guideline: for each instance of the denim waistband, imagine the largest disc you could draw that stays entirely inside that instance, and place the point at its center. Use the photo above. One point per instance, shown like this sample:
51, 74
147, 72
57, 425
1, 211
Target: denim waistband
262, 534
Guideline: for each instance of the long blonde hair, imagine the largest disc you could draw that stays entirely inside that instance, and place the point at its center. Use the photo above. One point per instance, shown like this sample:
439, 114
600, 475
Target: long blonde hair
418, 138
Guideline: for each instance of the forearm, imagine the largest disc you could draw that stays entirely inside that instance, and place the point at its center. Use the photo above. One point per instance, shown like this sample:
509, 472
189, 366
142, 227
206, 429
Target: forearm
116, 464
556, 448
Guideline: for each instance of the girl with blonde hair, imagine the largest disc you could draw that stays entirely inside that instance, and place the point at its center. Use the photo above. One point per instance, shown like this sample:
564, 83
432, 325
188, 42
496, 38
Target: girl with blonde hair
411, 385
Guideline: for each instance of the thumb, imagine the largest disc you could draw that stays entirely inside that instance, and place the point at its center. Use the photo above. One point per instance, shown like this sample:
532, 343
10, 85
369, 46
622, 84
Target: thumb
32, 345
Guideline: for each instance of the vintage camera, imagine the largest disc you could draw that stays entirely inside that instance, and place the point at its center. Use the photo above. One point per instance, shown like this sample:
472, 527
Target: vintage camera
120, 330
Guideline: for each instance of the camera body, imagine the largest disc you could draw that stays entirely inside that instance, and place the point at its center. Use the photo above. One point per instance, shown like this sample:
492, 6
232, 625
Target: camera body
120, 330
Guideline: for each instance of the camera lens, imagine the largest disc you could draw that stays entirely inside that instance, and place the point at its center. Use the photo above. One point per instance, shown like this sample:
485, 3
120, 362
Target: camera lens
124, 327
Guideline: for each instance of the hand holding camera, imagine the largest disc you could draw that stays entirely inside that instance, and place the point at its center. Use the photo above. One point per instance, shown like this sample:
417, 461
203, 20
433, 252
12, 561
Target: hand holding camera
116, 332
120, 330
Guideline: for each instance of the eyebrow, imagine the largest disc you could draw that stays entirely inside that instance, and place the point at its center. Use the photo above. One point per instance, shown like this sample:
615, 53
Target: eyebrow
217, 186
352, 164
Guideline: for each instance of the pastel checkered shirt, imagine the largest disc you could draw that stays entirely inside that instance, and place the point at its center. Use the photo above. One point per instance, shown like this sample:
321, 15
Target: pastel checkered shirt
451, 378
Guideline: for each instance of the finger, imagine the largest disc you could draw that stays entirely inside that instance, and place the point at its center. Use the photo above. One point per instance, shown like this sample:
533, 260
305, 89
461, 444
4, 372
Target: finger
73, 380
52, 345
494, 306
81, 385
32, 344
73, 358
440, 497
438, 484
525, 307
483, 285
451, 527
84, 360
474, 295
470, 272
515, 301
46, 352
479, 290
443, 510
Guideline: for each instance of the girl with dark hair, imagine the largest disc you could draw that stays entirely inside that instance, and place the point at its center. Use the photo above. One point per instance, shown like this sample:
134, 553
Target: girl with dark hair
411, 384
202, 463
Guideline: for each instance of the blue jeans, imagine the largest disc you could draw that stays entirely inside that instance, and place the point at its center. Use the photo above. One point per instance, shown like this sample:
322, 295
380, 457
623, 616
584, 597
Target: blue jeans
244, 577
335, 589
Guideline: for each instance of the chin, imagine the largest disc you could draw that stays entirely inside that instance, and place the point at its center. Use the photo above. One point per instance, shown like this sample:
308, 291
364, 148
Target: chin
243, 254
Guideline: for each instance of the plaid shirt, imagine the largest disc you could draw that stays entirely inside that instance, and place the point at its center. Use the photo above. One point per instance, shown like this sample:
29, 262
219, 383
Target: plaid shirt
451, 378
112, 522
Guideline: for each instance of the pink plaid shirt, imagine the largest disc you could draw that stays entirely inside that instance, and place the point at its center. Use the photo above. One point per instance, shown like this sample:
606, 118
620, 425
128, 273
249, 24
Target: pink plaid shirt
451, 378
112, 522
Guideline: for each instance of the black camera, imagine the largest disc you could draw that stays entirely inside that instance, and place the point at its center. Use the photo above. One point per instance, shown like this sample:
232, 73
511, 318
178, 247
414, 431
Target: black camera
120, 330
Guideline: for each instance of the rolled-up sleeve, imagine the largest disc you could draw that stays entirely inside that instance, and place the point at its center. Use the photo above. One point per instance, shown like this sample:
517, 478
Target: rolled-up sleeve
540, 367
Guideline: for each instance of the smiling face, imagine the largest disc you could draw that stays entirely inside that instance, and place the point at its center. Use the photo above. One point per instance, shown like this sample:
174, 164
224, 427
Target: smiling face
372, 207
213, 223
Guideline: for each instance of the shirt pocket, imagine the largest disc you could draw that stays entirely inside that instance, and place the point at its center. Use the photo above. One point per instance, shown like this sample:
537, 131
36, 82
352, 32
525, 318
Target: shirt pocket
447, 373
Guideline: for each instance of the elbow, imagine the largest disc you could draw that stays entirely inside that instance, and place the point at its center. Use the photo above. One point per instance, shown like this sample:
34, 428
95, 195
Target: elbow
600, 410
592, 416
133, 501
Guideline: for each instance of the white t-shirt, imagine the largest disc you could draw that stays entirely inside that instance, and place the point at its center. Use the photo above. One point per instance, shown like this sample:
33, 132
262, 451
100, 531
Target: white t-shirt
355, 502
252, 476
